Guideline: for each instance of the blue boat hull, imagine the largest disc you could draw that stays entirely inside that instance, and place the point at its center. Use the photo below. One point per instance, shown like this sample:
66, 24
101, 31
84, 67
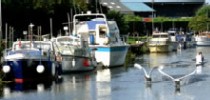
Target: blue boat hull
25, 70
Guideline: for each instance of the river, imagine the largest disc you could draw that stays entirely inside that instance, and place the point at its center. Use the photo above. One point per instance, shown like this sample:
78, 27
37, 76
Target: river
126, 82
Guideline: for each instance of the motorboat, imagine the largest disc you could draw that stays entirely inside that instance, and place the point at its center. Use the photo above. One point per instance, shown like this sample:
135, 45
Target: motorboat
29, 61
203, 39
160, 42
181, 40
74, 52
103, 35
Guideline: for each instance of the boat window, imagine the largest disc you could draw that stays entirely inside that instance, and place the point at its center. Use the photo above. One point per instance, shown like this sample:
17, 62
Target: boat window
102, 32
88, 17
21, 45
64, 39
43, 46
155, 36
164, 36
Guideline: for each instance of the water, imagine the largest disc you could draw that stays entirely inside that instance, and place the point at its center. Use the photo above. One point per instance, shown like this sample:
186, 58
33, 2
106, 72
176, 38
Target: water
125, 83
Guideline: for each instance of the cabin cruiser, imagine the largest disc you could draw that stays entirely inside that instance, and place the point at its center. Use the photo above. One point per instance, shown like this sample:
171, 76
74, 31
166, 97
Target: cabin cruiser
160, 42
181, 40
74, 52
203, 39
103, 35
29, 60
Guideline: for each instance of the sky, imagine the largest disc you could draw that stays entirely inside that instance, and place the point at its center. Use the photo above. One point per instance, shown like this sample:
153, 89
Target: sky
208, 1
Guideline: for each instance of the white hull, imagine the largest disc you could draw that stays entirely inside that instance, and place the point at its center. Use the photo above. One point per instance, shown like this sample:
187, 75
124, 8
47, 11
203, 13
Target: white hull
103, 35
111, 56
75, 65
75, 54
202, 40
203, 43
161, 42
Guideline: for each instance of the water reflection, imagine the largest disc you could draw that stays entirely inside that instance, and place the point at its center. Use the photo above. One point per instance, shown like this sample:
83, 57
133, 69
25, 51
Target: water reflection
125, 83
80, 85
14, 89
103, 84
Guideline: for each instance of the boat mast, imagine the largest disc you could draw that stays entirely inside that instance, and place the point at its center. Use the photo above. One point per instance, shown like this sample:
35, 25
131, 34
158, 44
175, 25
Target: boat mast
96, 6
0, 22
152, 15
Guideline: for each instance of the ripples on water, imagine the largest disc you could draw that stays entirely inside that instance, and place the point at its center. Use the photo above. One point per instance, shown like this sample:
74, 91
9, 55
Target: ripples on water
125, 82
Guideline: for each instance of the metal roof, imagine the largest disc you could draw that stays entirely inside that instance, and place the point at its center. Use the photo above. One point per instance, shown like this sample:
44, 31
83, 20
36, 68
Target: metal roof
126, 5
137, 7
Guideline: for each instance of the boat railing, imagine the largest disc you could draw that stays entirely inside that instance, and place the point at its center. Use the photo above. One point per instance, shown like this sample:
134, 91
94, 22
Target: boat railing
158, 42
71, 48
77, 56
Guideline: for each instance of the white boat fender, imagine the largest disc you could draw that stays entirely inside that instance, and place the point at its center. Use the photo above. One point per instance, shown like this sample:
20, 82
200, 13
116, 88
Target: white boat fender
40, 69
6, 68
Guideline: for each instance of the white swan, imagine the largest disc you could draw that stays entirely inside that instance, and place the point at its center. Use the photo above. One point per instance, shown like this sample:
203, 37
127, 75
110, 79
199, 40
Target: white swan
176, 80
146, 75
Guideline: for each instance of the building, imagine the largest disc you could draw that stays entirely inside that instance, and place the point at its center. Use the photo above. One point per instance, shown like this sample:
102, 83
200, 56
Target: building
144, 8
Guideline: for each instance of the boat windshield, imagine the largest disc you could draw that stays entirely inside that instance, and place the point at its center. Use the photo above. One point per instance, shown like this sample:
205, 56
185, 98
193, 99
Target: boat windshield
43, 46
64, 40
67, 41
22, 46
160, 36
28, 45
164, 36
88, 17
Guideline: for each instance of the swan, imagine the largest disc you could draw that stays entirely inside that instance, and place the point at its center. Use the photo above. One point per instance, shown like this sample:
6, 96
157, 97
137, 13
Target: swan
176, 80
146, 75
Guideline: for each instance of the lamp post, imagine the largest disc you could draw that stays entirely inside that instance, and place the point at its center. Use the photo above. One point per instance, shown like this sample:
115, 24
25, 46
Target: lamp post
31, 30
152, 15
65, 28
25, 35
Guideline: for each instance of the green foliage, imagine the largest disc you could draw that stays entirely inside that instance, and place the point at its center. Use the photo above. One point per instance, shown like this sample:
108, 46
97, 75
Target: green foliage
132, 18
47, 5
133, 39
204, 10
164, 19
81, 4
119, 18
2, 48
201, 21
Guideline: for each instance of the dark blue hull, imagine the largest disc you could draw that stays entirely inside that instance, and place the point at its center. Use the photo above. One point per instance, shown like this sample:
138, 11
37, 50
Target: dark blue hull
25, 70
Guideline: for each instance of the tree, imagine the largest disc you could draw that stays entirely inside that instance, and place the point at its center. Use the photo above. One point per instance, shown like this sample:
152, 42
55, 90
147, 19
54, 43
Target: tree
204, 10
119, 18
201, 21
132, 18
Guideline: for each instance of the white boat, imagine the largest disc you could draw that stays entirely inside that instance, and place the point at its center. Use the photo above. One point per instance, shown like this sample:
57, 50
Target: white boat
175, 43
29, 60
160, 42
203, 39
76, 55
181, 40
103, 35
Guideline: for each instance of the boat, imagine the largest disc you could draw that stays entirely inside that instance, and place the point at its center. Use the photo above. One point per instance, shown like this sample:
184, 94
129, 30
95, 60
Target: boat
181, 40
103, 36
160, 42
75, 54
29, 61
203, 39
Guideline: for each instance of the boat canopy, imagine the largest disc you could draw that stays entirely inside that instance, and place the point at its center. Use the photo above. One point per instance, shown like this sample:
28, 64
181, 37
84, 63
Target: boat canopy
92, 24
